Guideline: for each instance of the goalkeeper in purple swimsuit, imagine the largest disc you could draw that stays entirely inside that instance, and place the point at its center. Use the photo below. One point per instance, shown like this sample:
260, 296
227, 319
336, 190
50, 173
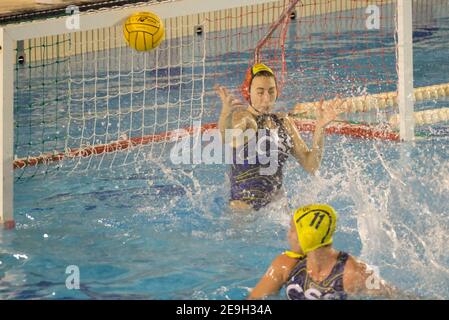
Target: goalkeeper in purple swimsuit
251, 186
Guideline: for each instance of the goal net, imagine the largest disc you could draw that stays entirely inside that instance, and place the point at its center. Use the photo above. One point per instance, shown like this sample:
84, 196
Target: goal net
82, 101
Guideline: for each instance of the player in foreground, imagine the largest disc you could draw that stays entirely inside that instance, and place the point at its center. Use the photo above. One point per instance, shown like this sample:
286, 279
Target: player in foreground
313, 269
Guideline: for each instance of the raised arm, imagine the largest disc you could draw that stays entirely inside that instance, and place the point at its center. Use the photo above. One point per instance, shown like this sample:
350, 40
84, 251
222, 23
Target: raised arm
233, 114
310, 159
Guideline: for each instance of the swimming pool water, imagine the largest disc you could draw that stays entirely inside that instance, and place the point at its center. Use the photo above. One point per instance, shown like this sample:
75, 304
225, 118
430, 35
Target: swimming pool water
134, 239
159, 231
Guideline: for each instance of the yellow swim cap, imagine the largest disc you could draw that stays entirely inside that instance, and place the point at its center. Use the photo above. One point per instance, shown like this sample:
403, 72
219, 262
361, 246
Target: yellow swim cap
258, 67
315, 225
250, 74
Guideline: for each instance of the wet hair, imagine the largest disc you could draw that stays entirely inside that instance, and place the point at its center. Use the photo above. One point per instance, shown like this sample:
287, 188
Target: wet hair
264, 73
249, 77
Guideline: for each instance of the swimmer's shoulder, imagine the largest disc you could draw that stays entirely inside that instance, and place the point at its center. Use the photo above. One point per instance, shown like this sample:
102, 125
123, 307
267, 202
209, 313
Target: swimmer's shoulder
242, 119
241, 112
236, 119
355, 274
284, 263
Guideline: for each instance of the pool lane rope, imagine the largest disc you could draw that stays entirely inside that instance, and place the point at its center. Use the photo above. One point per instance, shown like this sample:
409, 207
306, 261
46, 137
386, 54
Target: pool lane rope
425, 117
356, 130
389, 100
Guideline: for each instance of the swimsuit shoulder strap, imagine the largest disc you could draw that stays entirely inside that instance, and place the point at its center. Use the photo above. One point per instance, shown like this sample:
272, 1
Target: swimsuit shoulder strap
341, 261
301, 264
338, 269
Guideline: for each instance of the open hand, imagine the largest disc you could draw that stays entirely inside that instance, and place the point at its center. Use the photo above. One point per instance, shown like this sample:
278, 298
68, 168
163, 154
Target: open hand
328, 111
228, 100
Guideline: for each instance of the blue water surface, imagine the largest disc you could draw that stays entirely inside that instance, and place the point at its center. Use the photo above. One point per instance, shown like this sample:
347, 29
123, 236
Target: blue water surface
140, 227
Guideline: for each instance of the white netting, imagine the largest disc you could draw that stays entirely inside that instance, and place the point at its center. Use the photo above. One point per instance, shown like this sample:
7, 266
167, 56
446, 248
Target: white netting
89, 99
118, 94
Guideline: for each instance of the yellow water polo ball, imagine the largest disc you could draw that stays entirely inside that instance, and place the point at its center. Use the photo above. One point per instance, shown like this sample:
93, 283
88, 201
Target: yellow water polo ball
143, 31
